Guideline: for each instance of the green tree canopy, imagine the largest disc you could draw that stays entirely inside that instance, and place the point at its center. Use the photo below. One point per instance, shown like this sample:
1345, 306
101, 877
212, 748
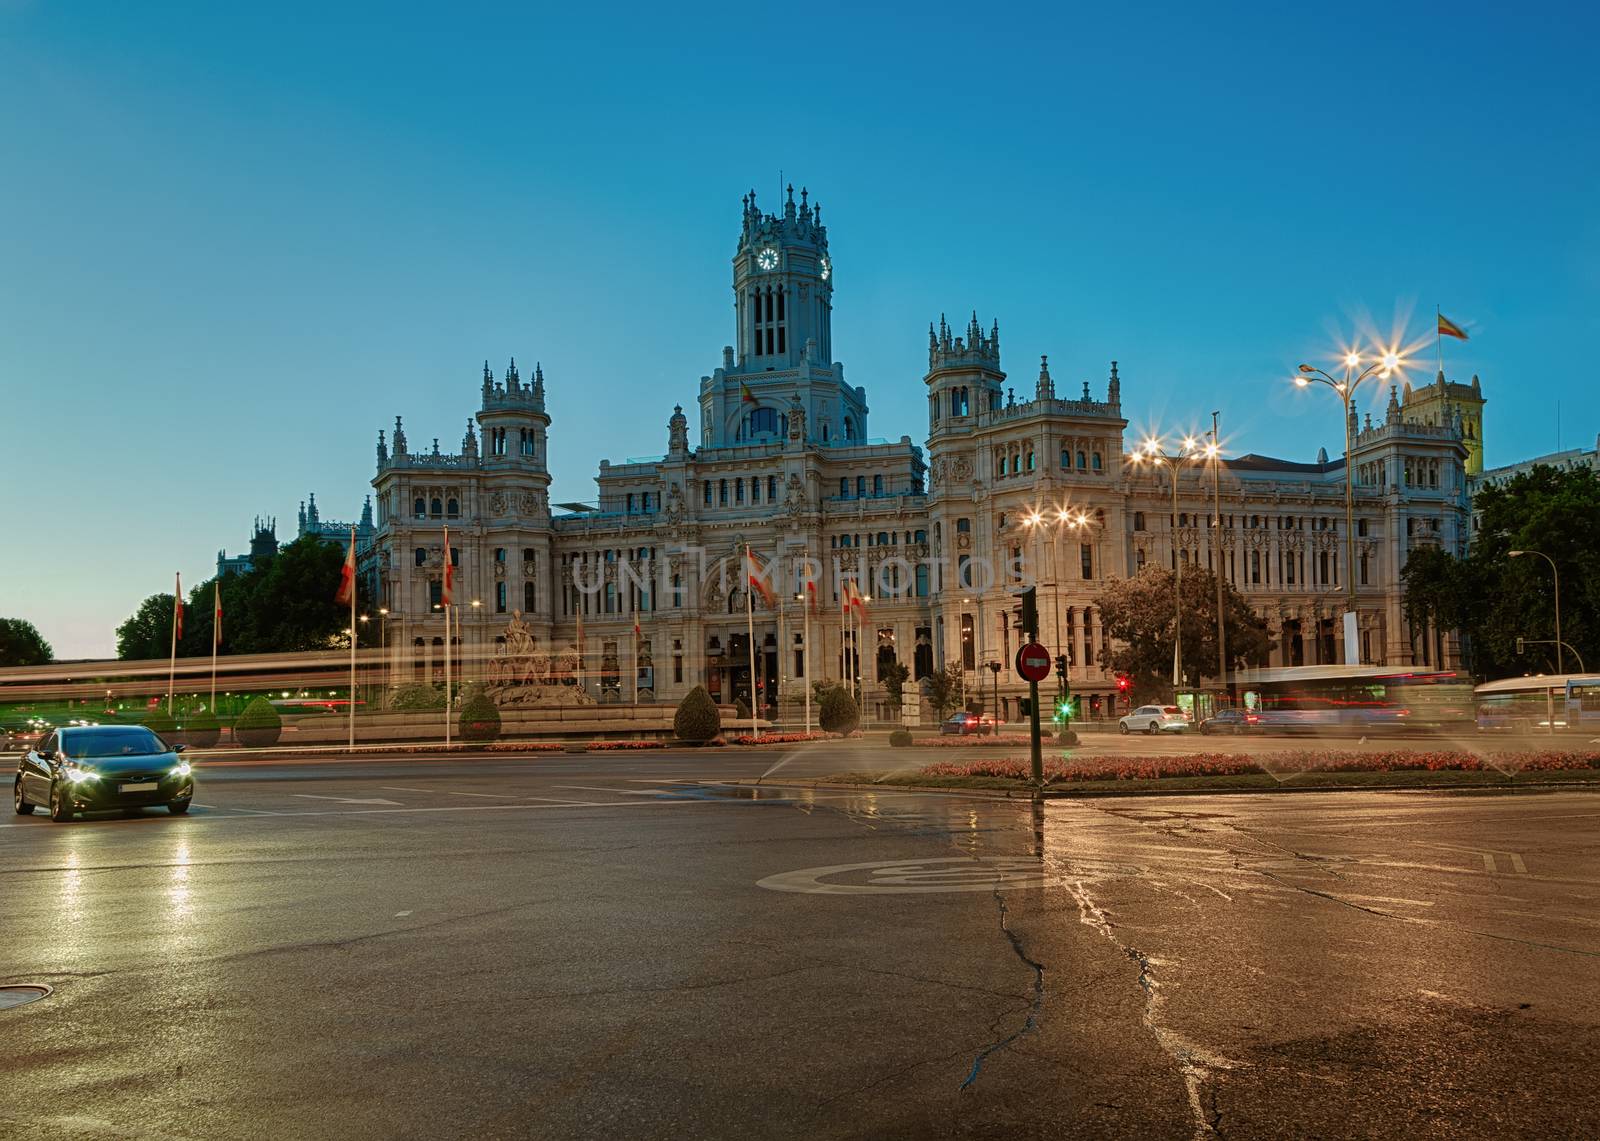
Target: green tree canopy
283, 604
1140, 615
21, 644
1493, 598
943, 688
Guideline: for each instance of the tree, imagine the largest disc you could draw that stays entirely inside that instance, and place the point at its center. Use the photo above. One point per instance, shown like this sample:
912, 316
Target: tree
894, 676
1139, 617
1493, 599
21, 644
839, 712
943, 690
283, 604
148, 631
697, 719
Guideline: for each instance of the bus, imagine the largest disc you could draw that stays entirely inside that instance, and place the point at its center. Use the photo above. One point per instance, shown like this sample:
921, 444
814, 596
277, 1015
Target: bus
1553, 703
1355, 699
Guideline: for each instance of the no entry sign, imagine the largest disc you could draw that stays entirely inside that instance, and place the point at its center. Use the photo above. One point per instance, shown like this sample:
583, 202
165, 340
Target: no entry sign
1033, 662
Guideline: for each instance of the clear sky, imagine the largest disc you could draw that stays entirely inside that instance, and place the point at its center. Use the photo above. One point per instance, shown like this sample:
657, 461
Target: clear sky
237, 239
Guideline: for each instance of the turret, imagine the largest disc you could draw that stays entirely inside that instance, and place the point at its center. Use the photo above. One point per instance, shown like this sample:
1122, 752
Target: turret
1046, 388
964, 376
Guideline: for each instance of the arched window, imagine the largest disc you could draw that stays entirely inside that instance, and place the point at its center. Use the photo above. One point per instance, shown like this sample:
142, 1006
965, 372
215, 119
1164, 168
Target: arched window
1094, 461
453, 509
877, 485
861, 487
420, 508
772, 488
1030, 459
708, 492
1066, 459
999, 466
421, 557
849, 428
1016, 463
436, 508
883, 538
844, 487
529, 597
764, 422
1082, 464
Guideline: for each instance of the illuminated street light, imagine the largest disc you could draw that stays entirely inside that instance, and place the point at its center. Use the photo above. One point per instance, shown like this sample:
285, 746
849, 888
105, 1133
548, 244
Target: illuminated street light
1384, 366
1174, 461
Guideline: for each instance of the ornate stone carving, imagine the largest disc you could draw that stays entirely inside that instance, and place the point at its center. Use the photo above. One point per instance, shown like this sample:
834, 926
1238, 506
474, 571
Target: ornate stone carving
499, 503
961, 469
528, 503
794, 497
674, 506
521, 675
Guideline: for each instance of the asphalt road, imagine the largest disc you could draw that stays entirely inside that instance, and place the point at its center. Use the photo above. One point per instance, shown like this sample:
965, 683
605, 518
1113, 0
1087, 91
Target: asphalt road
609, 945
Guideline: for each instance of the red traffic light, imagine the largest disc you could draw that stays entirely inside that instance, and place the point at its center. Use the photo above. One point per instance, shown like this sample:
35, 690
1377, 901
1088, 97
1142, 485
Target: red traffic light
1123, 682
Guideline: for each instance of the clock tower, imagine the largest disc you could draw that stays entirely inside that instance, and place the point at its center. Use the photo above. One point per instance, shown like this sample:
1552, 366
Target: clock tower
783, 286
782, 355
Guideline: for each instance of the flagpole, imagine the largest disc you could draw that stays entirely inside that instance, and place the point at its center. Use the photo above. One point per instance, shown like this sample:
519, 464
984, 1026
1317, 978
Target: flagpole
216, 612
352, 650
446, 598
805, 647
1438, 337
783, 650
750, 632
172, 662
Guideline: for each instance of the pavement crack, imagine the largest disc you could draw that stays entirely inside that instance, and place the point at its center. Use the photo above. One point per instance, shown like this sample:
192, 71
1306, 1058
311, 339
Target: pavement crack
1034, 1007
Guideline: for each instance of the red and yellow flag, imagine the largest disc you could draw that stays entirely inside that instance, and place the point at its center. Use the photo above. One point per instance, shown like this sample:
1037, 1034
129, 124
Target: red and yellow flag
216, 616
347, 575
177, 608
758, 578
1448, 328
447, 594
745, 395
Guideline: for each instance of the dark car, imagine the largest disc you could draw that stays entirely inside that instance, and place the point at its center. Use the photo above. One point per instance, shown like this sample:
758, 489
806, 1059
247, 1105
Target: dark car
962, 724
1230, 721
93, 767
19, 738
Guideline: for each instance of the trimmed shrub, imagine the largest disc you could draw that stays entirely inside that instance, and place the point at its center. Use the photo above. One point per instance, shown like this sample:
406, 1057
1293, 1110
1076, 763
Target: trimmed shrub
258, 726
201, 729
741, 709
417, 698
697, 719
839, 713
899, 739
480, 717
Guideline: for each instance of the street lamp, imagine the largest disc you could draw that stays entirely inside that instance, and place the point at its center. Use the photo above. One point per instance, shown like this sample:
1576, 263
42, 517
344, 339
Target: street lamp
1061, 517
1556, 573
1151, 452
1385, 365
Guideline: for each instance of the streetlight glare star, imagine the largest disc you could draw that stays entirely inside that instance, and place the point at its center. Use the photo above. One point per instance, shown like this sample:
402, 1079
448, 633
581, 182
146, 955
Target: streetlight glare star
1352, 360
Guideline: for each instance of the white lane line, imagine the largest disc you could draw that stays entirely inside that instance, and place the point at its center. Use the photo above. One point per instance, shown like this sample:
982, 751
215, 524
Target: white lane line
401, 914
346, 799
1516, 863
1488, 863
485, 795
617, 791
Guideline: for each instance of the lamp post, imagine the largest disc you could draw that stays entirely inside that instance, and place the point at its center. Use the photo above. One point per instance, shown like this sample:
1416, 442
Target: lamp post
1073, 520
1309, 374
1151, 452
1556, 573
383, 646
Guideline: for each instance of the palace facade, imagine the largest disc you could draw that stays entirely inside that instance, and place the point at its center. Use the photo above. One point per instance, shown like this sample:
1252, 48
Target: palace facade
647, 583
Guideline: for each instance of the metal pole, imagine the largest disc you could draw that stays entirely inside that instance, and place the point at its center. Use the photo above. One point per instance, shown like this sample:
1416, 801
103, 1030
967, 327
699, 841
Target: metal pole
750, 633
1216, 539
1177, 589
1352, 653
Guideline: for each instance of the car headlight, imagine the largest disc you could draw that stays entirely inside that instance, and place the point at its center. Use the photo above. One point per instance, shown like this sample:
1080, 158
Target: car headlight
78, 776
181, 769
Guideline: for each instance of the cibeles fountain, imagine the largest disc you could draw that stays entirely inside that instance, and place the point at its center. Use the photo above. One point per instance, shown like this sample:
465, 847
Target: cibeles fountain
522, 676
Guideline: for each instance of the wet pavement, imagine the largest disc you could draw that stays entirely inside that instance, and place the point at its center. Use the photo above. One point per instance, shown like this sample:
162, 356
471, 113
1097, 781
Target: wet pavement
625, 944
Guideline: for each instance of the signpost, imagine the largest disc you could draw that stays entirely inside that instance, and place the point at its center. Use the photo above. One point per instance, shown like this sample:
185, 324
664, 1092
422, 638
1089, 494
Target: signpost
1033, 663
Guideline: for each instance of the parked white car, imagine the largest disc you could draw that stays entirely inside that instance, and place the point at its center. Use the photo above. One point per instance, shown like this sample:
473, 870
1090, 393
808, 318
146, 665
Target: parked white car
1154, 719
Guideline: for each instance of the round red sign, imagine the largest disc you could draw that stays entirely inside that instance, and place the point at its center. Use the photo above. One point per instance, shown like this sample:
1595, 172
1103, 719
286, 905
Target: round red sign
1033, 662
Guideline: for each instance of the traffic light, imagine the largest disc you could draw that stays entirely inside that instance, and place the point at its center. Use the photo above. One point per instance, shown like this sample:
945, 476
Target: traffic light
1030, 612
1061, 665
1519, 647
1124, 683
1064, 710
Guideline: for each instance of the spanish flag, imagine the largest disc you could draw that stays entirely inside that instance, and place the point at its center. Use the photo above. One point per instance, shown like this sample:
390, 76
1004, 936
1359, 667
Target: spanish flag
758, 578
748, 397
1448, 328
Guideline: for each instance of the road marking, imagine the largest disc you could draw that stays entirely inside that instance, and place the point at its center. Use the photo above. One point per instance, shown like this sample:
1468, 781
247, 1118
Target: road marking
346, 799
917, 877
1488, 863
617, 791
401, 914
485, 795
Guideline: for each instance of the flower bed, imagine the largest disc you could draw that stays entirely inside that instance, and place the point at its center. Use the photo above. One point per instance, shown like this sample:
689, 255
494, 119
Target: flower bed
782, 738
1282, 765
954, 741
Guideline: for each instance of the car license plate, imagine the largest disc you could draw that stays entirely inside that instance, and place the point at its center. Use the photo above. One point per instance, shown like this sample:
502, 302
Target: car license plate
141, 786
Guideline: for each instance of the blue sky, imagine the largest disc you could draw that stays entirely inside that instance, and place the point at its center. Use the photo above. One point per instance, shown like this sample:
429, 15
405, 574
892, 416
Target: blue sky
239, 239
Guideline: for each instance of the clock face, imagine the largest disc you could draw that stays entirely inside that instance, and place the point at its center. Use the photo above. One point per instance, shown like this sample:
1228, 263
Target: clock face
767, 259
827, 268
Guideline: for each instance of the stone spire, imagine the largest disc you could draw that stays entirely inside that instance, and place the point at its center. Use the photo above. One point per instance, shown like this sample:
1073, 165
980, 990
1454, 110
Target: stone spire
383, 449
1114, 389
1393, 416
1046, 389
399, 438
488, 383
538, 386
313, 516
469, 442
365, 526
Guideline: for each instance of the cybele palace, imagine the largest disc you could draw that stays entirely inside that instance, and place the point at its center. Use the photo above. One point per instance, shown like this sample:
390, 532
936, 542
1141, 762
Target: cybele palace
782, 458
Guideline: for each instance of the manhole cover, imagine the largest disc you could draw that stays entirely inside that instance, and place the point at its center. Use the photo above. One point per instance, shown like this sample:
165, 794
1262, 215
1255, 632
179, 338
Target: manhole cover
21, 995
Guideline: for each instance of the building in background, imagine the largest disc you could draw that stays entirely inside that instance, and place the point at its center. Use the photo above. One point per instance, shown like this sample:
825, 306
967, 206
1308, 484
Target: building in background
785, 463
263, 545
